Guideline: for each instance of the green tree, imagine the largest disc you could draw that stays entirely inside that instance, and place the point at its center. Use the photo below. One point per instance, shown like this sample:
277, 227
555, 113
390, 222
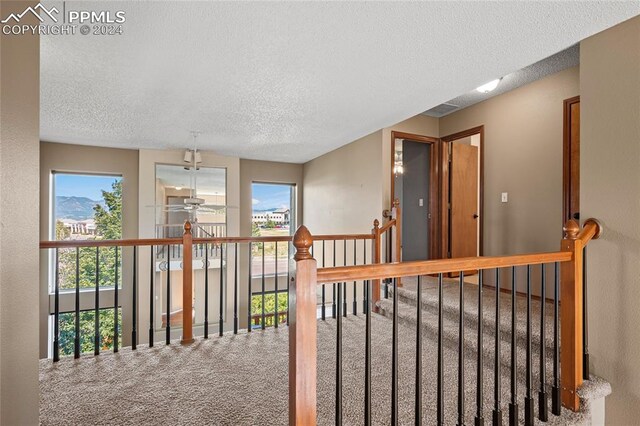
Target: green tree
62, 233
109, 219
270, 224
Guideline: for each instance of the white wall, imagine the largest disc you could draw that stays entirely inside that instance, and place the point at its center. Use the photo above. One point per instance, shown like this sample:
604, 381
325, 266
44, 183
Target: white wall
610, 191
19, 236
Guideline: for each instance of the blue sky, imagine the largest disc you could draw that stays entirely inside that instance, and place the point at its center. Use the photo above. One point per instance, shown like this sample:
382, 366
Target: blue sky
267, 196
82, 185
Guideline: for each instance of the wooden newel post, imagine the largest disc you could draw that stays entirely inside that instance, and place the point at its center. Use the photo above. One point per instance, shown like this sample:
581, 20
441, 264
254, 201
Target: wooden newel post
375, 258
302, 332
187, 285
571, 318
397, 215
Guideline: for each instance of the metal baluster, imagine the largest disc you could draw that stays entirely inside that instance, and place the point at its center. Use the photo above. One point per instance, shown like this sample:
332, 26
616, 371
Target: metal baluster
288, 278
116, 331
152, 272
555, 390
528, 399
479, 420
323, 309
249, 319
134, 308
333, 295
339, 364
513, 405
440, 386
418, 382
206, 291
394, 357
221, 313
344, 284
235, 288
263, 285
96, 313
367, 356
56, 311
276, 318
543, 414
497, 411
168, 315
585, 319
461, 353
76, 340
364, 262
355, 302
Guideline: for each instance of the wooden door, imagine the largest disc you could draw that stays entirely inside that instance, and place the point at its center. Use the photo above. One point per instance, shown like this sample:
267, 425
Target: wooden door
571, 160
463, 189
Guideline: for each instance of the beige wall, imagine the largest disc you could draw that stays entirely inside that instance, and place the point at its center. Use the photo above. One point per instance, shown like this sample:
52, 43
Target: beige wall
610, 191
86, 159
346, 189
148, 158
343, 188
523, 156
19, 189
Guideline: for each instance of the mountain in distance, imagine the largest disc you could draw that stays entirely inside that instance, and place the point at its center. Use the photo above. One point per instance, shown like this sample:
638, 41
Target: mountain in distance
76, 208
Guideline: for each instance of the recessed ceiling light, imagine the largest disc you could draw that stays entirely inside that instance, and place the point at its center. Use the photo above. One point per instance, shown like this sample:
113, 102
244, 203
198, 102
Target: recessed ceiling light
486, 88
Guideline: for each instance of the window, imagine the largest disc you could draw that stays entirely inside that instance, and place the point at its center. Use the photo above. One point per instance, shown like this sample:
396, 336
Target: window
87, 329
86, 207
273, 214
177, 184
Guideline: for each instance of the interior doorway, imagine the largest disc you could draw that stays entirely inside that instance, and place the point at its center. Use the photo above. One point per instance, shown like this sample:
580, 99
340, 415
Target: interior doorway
415, 183
463, 182
571, 160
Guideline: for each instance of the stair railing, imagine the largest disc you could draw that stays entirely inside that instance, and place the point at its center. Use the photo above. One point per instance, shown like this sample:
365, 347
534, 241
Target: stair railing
568, 279
111, 271
393, 246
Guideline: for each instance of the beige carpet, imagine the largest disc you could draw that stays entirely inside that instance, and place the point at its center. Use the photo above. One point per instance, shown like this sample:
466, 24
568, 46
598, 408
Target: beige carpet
242, 380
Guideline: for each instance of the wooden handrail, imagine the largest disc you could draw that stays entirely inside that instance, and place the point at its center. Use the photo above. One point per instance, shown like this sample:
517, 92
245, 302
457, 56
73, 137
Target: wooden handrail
591, 230
386, 226
110, 243
428, 267
178, 241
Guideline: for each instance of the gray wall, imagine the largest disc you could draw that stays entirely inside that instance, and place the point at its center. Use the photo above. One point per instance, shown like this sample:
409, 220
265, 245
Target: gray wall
610, 191
19, 189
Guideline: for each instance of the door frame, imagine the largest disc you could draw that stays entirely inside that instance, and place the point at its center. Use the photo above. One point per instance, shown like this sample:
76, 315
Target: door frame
567, 157
444, 201
434, 185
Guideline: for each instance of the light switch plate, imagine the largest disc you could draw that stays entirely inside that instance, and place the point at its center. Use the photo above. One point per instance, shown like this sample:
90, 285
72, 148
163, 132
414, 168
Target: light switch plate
421, 202
505, 197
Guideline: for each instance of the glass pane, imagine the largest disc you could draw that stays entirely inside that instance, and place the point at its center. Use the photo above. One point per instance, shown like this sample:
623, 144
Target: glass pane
273, 214
87, 328
269, 309
86, 207
176, 189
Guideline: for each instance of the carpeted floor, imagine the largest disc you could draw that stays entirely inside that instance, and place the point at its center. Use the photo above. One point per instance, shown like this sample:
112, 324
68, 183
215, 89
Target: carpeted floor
242, 380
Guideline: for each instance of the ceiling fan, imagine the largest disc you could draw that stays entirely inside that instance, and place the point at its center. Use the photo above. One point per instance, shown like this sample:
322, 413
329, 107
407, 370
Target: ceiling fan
193, 204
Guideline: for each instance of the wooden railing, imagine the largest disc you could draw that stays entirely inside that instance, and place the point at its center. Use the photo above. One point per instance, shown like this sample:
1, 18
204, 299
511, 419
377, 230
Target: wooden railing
166, 254
303, 340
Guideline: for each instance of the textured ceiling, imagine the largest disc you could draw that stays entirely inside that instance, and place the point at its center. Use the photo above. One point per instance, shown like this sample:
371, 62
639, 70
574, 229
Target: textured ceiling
560, 61
289, 81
